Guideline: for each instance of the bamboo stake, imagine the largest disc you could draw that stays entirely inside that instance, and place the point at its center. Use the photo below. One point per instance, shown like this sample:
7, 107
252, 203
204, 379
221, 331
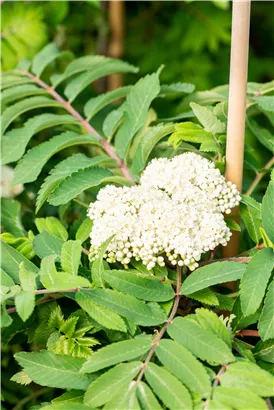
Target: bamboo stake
237, 104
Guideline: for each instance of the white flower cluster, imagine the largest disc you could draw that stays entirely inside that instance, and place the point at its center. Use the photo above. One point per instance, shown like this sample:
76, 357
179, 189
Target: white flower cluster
175, 214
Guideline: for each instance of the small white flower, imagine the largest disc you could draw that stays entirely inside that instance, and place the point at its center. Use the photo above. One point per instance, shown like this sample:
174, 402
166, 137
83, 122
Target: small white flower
176, 213
7, 191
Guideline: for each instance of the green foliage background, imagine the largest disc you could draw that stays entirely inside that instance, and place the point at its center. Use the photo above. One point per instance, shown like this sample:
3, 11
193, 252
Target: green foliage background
192, 38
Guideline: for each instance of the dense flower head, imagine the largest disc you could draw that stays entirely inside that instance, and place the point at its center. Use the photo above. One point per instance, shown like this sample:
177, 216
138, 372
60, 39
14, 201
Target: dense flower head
175, 214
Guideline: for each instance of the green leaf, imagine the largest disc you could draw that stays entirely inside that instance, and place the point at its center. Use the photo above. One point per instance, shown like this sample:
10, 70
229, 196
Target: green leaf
21, 378
225, 303
11, 259
208, 119
232, 225
267, 242
65, 406
10, 217
90, 63
117, 353
201, 342
25, 304
62, 406
96, 104
117, 180
252, 222
71, 256
266, 320
268, 211
146, 398
255, 279
184, 366
133, 283
106, 386
33, 161
13, 80
208, 320
53, 226
113, 121
19, 108
252, 203
20, 91
210, 146
250, 377
48, 369
136, 107
149, 314
265, 350
12, 152
99, 313
59, 281
241, 322
6, 280
97, 267
45, 57
260, 88
64, 169
265, 102
212, 274
6, 320
205, 296
168, 388
84, 230
266, 366
106, 67
72, 396
224, 4
78, 182
27, 278
176, 89
191, 132
146, 145
46, 244
238, 398
125, 399
243, 351
262, 134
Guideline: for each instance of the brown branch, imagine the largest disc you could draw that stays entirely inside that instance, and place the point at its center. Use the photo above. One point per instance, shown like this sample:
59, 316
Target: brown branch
163, 330
269, 404
49, 298
85, 251
33, 395
259, 177
218, 377
215, 384
252, 333
236, 259
85, 124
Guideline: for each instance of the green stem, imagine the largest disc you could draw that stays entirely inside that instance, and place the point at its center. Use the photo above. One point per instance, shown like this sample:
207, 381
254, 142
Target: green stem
259, 177
32, 396
78, 201
233, 295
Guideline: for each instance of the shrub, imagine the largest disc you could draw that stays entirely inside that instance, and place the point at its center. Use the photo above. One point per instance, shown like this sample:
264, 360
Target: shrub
125, 333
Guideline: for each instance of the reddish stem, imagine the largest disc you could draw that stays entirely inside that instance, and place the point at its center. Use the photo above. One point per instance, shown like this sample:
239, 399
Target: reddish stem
163, 330
107, 147
234, 259
252, 333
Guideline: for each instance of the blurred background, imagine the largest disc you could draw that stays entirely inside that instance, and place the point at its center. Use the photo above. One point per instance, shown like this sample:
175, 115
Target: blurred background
191, 38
